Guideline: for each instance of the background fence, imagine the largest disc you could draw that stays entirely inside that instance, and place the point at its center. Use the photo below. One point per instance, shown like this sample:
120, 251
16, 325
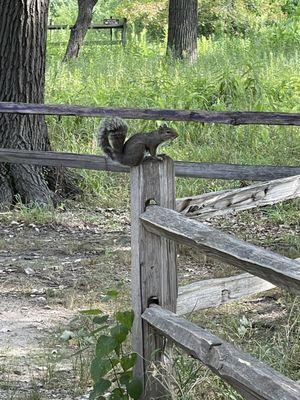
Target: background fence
110, 24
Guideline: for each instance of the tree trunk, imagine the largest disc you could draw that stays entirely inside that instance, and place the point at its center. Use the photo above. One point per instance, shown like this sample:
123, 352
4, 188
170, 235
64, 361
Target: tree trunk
22, 79
182, 31
78, 32
23, 30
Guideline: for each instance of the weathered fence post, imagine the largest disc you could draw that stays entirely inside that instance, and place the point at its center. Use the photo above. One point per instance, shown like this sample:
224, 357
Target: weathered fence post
124, 32
153, 263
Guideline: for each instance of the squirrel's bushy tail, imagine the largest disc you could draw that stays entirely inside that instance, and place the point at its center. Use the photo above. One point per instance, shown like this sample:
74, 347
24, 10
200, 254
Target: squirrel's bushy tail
111, 137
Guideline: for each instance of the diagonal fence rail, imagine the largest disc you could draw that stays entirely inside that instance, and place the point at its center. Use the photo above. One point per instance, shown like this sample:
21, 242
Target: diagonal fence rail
250, 377
279, 270
155, 229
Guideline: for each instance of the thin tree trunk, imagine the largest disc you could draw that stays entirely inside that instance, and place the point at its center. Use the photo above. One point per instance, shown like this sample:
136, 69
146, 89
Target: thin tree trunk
182, 31
78, 32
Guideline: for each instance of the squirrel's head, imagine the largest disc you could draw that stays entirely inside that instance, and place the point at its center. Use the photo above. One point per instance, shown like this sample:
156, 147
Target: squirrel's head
167, 133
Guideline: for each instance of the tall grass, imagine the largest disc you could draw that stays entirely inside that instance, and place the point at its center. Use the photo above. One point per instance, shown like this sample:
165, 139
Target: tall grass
231, 74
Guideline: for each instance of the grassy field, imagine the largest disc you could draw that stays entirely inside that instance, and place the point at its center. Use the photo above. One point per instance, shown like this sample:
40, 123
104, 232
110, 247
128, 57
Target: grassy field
231, 74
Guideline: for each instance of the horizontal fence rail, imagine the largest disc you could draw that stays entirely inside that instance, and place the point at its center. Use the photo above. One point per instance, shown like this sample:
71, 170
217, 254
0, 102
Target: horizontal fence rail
92, 26
274, 268
217, 291
216, 117
252, 378
182, 168
214, 292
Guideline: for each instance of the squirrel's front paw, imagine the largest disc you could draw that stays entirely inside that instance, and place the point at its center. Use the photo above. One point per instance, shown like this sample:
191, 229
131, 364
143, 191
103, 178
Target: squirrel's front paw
149, 158
158, 157
161, 157
152, 158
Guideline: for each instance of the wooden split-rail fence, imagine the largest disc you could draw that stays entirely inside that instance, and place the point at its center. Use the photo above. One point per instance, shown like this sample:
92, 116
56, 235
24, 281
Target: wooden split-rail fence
156, 227
113, 25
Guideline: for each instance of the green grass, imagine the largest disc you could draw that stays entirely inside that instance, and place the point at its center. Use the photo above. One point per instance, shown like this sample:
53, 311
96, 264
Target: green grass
272, 335
230, 74
284, 213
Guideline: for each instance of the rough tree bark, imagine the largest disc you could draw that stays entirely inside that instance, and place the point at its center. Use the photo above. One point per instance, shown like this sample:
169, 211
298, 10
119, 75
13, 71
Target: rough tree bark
22, 71
182, 31
23, 30
78, 32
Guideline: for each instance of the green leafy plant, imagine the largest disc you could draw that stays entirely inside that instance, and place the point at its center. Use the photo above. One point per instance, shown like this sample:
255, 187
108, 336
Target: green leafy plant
111, 368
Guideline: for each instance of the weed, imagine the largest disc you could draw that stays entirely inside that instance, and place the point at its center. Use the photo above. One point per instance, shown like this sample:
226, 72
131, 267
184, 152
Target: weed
2, 244
35, 213
111, 368
34, 395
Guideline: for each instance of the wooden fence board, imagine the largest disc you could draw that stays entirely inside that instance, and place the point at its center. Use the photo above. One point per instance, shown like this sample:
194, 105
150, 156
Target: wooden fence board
252, 378
214, 292
182, 168
219, 203
277, 269
92, 26
233, 171
61, 159
216, 117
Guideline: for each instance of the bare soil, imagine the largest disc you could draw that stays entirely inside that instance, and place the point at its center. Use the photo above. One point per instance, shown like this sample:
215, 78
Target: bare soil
50, 270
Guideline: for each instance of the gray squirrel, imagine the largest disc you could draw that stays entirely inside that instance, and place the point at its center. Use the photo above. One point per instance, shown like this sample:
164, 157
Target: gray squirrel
111, 139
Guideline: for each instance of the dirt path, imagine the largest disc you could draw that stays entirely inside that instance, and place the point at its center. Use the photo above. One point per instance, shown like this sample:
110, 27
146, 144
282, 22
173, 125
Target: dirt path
49, 271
